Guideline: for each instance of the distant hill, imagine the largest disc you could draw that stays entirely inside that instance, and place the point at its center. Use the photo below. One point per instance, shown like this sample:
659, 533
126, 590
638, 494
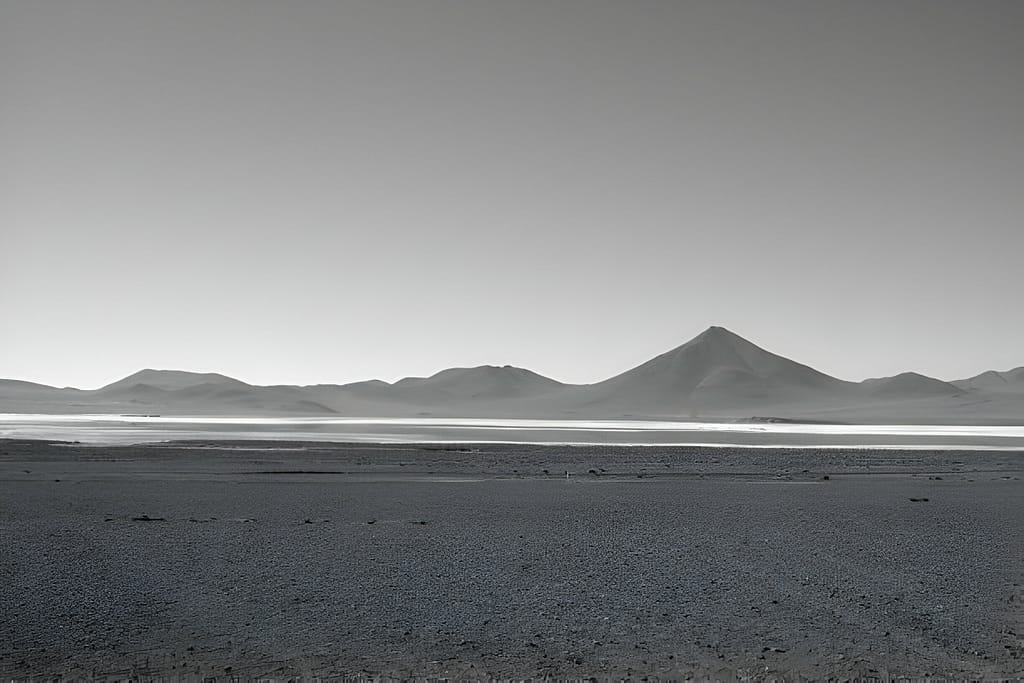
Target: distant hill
483, 382
715, 375
15, 387
466, 392
910, 384
170, 380
1011, 380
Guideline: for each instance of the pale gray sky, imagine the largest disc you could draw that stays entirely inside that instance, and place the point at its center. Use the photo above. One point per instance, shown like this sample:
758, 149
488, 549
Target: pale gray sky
297, 192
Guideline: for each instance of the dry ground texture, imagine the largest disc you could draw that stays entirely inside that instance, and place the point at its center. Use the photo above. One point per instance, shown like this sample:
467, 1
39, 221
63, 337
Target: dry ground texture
275, 561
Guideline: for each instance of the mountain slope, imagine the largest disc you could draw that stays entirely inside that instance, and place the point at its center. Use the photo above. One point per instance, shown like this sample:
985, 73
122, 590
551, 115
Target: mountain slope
169, 380
909, 385
716, 370
486, 390
1008, 381
717, 374
486, 382
13, 387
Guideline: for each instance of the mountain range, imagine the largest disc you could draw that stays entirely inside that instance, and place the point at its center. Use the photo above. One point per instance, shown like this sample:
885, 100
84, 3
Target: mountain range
716, 375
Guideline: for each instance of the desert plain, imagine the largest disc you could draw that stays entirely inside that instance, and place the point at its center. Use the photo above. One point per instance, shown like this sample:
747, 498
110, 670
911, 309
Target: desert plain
280, 560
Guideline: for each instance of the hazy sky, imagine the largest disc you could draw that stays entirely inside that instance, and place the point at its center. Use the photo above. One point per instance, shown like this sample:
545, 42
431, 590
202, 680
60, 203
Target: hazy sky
297, 192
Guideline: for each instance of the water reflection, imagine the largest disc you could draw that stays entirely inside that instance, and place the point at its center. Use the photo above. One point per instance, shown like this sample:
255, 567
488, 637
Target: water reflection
99, 429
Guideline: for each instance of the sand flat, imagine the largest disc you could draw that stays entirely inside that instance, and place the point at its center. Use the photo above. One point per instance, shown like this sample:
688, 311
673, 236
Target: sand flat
473, 561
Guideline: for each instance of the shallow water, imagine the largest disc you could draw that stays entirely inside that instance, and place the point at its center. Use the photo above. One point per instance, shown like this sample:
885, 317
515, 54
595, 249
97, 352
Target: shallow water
100, 429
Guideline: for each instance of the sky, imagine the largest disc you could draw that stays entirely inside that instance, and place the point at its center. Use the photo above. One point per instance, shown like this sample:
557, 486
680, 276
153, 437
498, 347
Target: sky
311, 191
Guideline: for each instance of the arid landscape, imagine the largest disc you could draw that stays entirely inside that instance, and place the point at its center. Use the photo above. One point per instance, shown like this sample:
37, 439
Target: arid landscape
716, 375
484, 524
277, 560
511, 340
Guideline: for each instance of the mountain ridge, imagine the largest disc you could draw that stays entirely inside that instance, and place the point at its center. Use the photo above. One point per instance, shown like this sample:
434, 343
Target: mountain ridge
716, 373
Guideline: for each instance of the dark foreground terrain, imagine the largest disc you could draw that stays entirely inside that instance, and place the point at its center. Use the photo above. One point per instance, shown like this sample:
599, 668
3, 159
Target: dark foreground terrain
277, 561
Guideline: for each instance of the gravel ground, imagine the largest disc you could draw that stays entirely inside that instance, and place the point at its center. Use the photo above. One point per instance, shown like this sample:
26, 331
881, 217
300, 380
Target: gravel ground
248, 561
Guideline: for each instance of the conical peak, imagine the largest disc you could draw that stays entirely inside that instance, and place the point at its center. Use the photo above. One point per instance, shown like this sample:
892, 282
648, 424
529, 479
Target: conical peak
717, 335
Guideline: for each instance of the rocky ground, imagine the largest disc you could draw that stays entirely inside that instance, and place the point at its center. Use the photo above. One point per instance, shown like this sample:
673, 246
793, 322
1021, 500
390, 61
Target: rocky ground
278, 561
